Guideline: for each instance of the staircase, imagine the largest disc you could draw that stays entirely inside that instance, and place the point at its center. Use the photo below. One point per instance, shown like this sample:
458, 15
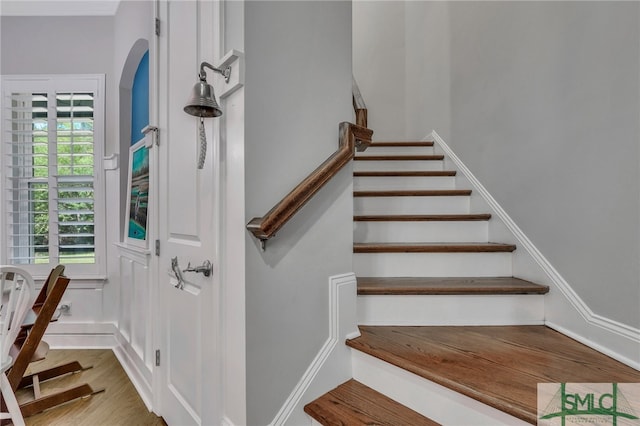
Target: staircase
448, 335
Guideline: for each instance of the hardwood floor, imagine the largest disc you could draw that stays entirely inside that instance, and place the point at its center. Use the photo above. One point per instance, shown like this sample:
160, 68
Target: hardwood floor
118, 405
437, 285
353, 403
497, 365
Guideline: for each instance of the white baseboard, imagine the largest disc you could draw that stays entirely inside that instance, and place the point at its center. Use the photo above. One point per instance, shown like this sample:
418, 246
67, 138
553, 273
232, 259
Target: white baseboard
332, 364
140, 376
619, 341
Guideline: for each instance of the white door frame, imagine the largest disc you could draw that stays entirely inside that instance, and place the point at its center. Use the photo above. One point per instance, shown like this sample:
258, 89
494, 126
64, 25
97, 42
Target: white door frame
226, 147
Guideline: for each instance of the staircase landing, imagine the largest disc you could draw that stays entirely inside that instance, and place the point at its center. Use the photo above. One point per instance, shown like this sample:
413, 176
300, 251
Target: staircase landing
498, 366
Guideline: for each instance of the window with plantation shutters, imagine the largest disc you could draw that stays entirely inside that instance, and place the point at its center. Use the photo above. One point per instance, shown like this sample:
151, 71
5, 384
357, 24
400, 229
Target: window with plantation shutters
52, 138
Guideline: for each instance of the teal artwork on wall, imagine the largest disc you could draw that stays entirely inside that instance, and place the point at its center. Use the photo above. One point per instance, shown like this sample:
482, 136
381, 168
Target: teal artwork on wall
138, 192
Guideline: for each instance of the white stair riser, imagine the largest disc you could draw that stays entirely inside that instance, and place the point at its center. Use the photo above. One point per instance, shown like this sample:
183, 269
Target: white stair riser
432, 264
413, 232
395, 165
424, 396
426, 310
397, 150
411, 205
403, 182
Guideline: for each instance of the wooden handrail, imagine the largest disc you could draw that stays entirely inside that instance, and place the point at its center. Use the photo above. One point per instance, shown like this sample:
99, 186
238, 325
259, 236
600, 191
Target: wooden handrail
352, 137
358, 105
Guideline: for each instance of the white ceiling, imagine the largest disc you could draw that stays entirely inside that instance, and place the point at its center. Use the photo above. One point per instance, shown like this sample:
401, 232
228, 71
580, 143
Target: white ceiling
58, 7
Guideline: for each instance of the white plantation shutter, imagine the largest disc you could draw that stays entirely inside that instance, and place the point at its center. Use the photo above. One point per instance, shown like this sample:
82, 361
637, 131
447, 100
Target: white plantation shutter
52, 139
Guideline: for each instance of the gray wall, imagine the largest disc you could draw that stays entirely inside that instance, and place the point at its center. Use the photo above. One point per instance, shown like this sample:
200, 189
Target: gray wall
379, 64
57, 45
401, 65
61, 45
545, 111
428, 73
298, 88
541, 100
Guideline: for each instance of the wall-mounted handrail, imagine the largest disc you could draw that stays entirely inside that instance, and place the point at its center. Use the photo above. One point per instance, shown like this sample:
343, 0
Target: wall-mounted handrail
358, 105
352, 137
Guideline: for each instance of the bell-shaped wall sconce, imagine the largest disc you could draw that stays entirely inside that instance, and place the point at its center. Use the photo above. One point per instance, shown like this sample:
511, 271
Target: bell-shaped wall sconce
202, 103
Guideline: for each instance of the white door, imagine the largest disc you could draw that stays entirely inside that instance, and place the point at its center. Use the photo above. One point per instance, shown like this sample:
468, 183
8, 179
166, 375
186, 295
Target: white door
188, 323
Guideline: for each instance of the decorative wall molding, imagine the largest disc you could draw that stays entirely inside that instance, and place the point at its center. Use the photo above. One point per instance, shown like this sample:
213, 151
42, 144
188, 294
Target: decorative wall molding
136, 254
133, 346
624, 338
235, 59
139, 376
81, 335
332, 364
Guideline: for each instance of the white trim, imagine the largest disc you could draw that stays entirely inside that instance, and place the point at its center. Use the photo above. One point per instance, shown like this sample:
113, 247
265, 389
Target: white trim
59, 8
85, 335
625, 335
226, 421
235, 59
333, 358
141, 383
599, 347
78, 282
53, 83
134, 253
451, 309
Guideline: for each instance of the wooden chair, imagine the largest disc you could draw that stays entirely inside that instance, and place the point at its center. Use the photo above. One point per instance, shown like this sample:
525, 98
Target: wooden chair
17, 291
29, 347
43, 347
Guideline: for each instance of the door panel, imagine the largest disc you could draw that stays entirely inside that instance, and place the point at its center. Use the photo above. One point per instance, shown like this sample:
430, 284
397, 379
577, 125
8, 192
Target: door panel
188, 219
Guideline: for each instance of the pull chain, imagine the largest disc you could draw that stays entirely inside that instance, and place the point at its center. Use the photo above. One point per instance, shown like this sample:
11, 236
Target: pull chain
203, 145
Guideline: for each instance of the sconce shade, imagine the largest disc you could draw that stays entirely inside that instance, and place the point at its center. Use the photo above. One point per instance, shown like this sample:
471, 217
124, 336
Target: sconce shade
202, 102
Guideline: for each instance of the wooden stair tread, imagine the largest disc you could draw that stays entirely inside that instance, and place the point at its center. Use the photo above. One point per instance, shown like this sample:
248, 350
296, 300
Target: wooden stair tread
353, 403
401, 143
497, 365
414, 193
435, 157
438, 286
432, 247
423, 218
415, 173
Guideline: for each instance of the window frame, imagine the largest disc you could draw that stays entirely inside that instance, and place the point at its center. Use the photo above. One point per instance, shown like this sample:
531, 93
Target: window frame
94, 83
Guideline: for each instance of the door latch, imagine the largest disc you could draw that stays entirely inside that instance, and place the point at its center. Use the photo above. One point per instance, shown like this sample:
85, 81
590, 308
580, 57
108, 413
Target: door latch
177, 272
204, 269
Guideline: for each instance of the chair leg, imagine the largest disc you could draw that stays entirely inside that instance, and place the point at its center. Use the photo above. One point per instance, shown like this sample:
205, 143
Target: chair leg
10, 401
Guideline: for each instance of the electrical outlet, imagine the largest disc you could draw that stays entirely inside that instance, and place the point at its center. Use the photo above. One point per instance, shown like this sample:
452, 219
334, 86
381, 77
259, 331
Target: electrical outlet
65, 308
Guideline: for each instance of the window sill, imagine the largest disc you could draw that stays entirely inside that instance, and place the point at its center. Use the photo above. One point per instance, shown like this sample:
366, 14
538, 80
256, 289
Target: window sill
78, 281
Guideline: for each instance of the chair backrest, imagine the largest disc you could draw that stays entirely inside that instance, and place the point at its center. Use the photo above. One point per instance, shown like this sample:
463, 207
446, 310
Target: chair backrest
48, 284
17, 292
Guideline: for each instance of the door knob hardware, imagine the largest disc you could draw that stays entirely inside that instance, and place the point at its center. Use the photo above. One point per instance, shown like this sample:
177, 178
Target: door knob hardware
204, 269
177, 272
